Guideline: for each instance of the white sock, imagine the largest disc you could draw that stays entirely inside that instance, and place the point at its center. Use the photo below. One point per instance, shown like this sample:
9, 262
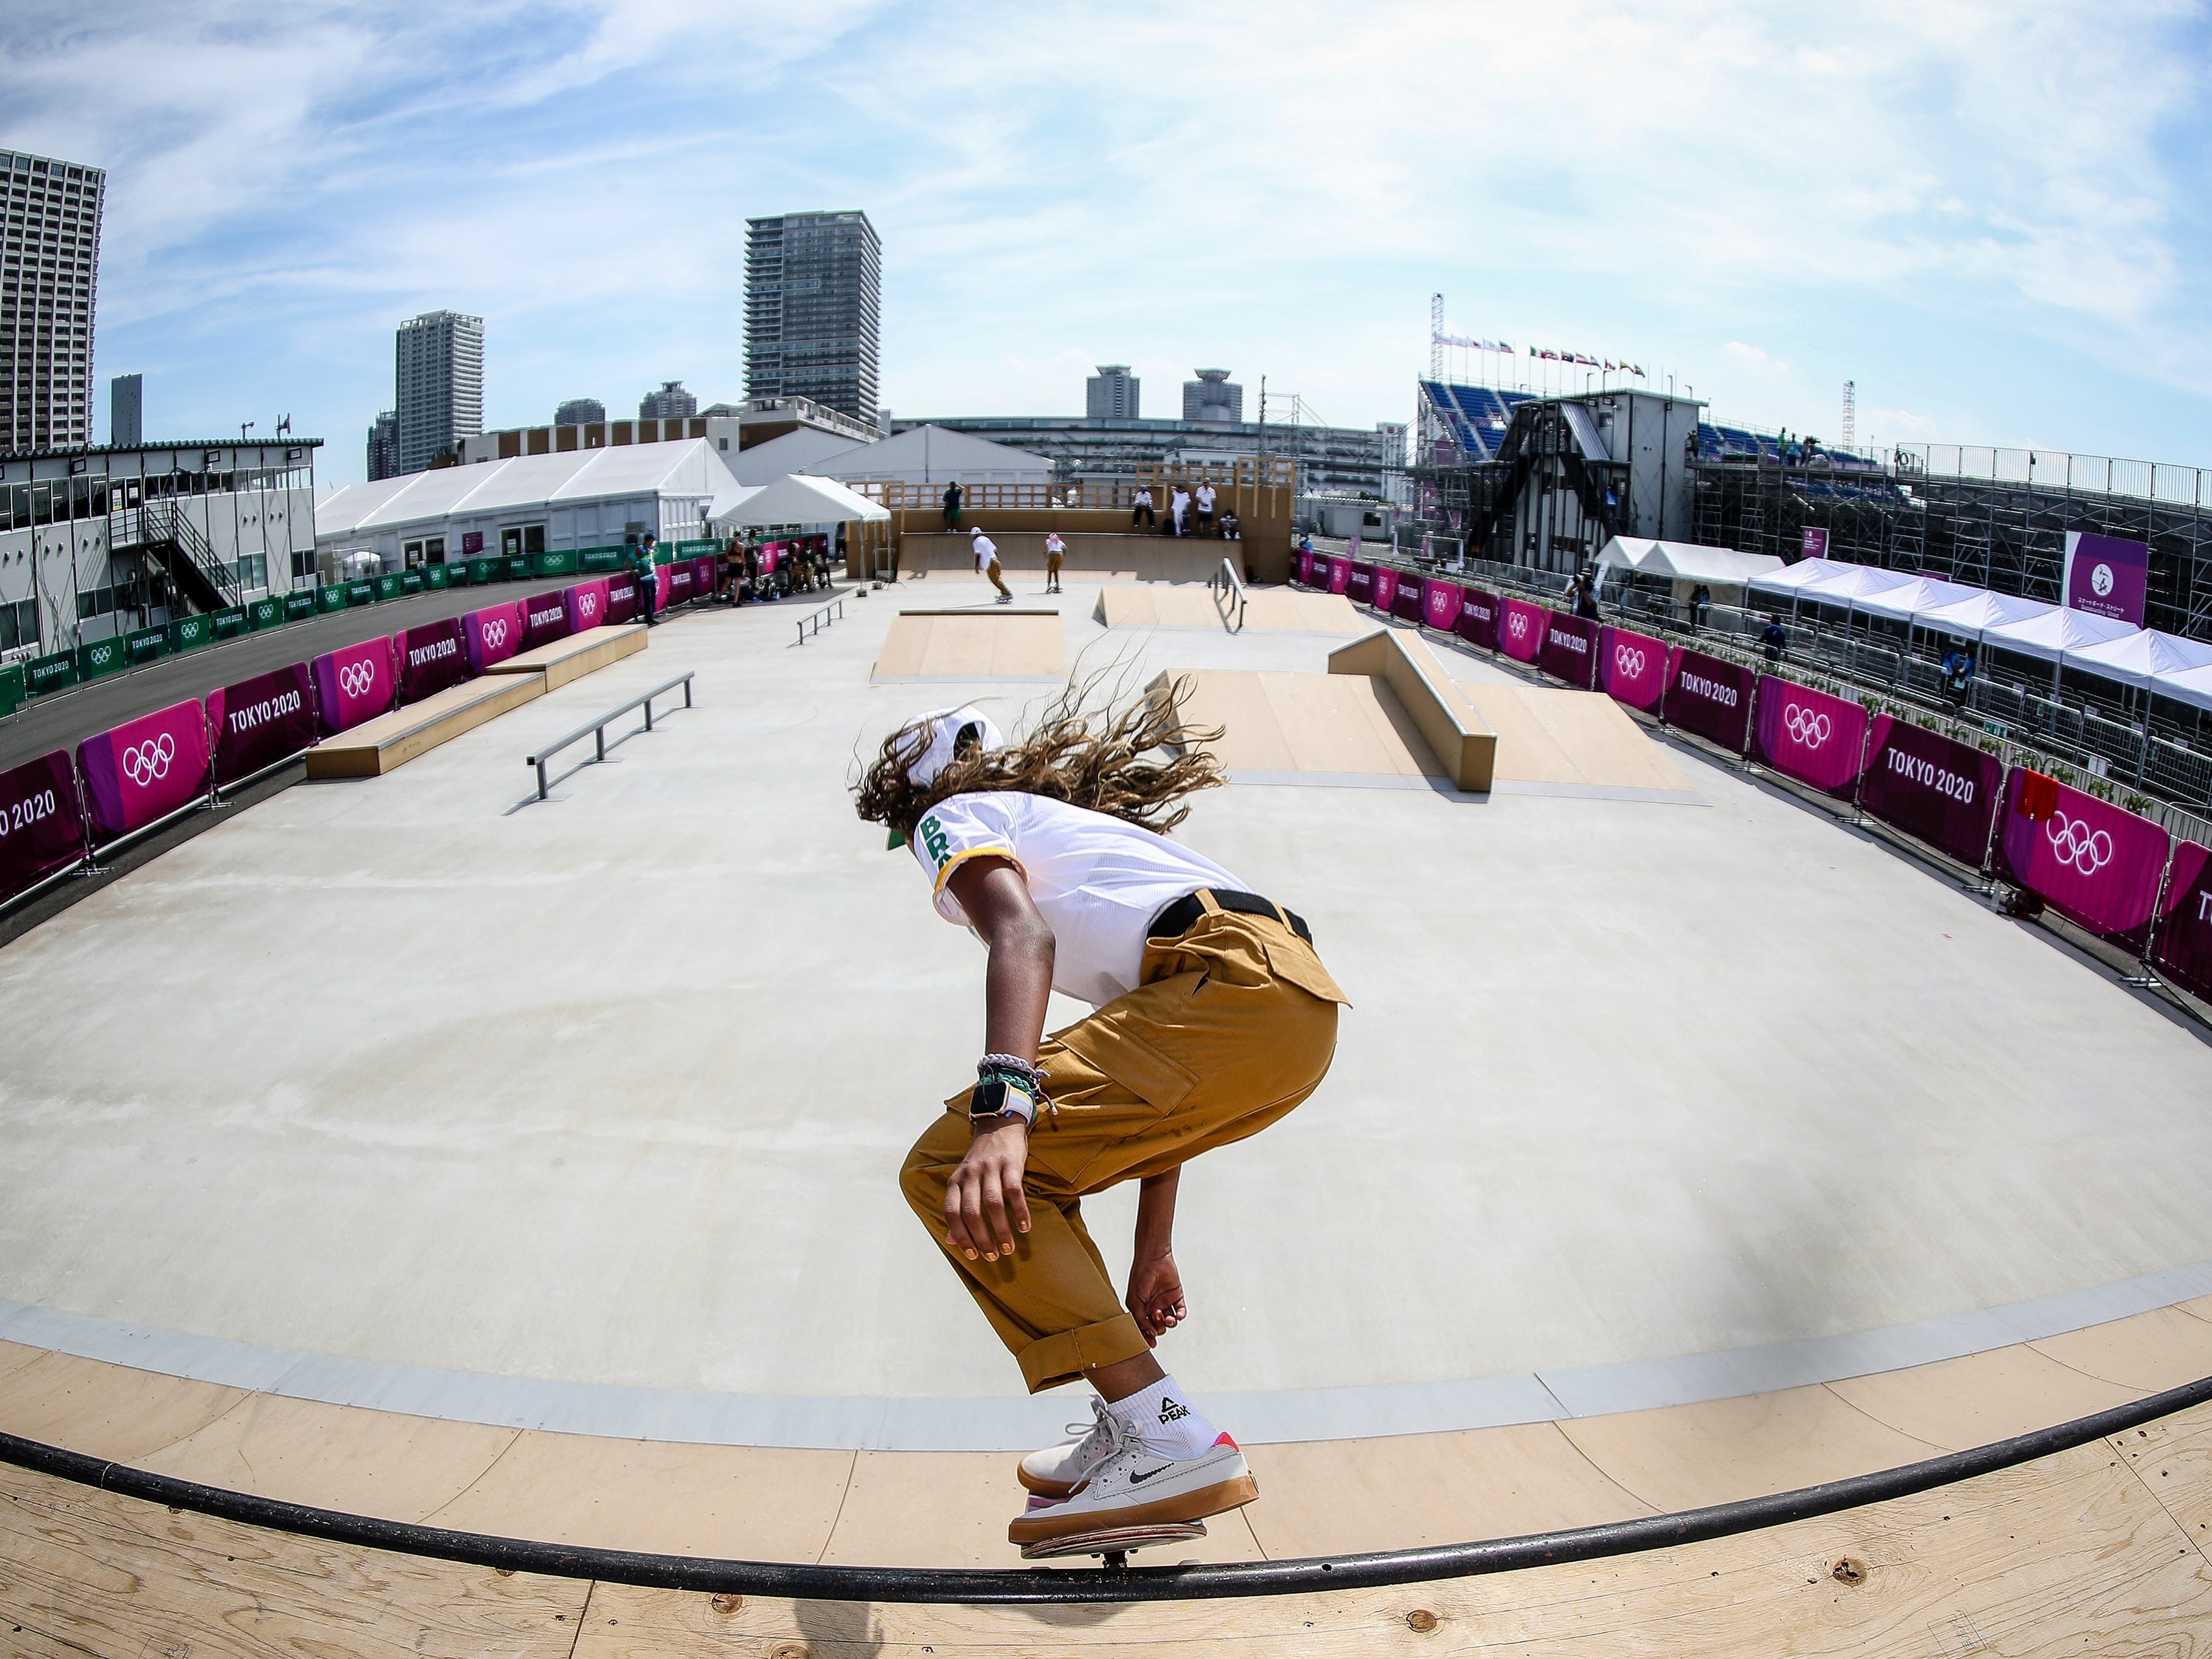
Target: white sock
1169, 1425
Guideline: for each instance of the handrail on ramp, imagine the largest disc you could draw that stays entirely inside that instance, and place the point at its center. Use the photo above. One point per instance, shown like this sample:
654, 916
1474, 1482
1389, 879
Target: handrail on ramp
598, 728
1227, 584
815, 622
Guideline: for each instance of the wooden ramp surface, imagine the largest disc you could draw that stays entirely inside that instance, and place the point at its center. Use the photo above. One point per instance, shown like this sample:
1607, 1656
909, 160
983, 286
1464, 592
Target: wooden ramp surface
375, 747
579, 655
988, 643
1551, 736
1089, 555
1267, 609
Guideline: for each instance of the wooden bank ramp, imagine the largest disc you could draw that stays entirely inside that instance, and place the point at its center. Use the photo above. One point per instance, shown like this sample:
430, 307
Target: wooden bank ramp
2085, 1539
980, 642
1267, 609
1388, 715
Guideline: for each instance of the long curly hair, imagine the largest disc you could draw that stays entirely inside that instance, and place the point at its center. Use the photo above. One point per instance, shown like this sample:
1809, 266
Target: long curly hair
1136, 762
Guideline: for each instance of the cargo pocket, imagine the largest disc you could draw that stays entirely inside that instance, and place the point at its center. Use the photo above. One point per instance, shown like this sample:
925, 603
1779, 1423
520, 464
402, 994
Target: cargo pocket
1122, 1055
1292, 961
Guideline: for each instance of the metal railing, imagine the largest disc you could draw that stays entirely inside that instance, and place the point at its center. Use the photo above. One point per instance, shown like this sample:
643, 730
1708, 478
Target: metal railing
598, 728
1227, 586
809, 625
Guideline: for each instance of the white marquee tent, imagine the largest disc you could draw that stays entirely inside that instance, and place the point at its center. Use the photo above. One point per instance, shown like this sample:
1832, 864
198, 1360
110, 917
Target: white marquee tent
1687, 562
799, 498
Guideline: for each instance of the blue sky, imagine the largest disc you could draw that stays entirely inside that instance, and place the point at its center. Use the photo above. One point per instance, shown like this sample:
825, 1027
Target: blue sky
1992, 217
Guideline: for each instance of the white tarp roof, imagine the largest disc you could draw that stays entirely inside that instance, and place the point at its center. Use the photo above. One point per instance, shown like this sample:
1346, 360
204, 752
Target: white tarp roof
1799, 578
799, 498
1848, 584
2058, 633
1907, 601
2141, 658
934, 454
690, 468
1981, 609
2189, 685
1687, 561
802, 449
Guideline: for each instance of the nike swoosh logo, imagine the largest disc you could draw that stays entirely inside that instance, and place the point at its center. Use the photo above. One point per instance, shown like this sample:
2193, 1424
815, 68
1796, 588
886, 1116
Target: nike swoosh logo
1149, 1474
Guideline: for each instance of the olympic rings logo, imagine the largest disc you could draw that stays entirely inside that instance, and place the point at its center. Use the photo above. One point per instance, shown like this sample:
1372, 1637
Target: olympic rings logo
1629, 661
357, 679
143, 762
588, 604
495, 632
1517, 625
1808, 728
2084, 850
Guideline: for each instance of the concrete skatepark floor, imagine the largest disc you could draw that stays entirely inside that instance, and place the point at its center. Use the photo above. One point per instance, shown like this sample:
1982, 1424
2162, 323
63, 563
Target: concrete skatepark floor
415, 1094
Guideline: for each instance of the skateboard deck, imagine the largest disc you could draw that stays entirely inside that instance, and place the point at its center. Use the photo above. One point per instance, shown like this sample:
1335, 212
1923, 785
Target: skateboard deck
1115, 1543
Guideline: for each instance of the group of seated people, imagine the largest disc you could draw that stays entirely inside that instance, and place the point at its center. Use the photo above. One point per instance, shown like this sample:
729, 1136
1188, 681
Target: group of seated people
751, 570
1190, 512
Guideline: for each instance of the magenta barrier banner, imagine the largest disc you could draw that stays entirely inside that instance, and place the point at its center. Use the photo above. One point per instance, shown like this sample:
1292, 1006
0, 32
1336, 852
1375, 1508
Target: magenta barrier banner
431, 658
2093, 863
587, 604
1569, 651
1810, 736
356, 684
1521, 628
679, 589
260, 721
621, 598
1360, 589
1711, 698
1339, 574
661, 582
1407, 605
1305, 567
544, 619
1478, 618
1386, 589
492, 635
1631, 667
144, 768
40, 829
2184, 953
1441, 603
702, 577
1934, 788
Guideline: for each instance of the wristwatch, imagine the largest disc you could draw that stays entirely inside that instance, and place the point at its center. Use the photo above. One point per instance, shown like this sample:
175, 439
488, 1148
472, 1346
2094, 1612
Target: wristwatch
994, 1102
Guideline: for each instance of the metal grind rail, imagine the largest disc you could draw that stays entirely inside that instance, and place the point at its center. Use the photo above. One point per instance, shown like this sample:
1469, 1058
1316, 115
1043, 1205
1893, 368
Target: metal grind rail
810, 625
1049, 1586
1227, 586
598, 728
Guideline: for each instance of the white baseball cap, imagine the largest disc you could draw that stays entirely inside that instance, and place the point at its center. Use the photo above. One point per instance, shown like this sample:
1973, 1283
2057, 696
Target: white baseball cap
945, 727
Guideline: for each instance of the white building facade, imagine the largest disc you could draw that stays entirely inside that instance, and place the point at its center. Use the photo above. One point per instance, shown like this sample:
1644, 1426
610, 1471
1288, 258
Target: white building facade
438, 379
49, 271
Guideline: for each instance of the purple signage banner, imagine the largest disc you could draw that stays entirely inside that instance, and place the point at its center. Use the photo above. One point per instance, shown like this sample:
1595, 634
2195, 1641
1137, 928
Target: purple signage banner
472, 540
1406, 604
1478, 618
260, 721
1813, 545
492, 635
1360, 589
431, 658
1521, 628
663, 581
1339, 574
678, 582
1441, 603
2093, 863
702, 577
544, 619
1711, 698
1570, 652
145, 768
41, 831
587, 604
622, 597
1386, 589
1631, 667
1305, 567
2105, 576
2184, 953
1935, 788
1810, 736
356, 684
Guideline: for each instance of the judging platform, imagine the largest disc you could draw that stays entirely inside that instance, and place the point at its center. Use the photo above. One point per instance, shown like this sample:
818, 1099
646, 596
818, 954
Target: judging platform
528, 1170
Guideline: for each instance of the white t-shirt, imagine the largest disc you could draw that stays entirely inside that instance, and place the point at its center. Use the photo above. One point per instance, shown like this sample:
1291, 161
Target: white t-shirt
1054, 544
1205, 498
1179, 501
1144, 498
1097, 881
986, 550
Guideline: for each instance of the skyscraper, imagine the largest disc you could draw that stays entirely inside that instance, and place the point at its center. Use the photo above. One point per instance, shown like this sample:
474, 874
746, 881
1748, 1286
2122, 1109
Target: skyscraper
383, 447
813, 319
1111, 394
49, 266
670, 402
126, 410
1212, 396
438, 375
580, 411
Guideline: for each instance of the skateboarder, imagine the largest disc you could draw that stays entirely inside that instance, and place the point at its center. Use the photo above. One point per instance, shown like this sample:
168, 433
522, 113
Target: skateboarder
1212, 1016
987, 563
1056, 555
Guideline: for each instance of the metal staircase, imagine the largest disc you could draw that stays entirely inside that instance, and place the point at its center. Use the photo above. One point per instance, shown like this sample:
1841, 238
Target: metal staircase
170, 539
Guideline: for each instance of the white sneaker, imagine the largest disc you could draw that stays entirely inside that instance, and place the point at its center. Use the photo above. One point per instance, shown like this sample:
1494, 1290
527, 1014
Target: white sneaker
1133, 1487
1057, 1471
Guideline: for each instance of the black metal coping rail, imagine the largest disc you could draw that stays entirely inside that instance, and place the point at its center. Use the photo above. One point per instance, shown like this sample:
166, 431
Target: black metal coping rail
1031, 1585
815, 622
598, 728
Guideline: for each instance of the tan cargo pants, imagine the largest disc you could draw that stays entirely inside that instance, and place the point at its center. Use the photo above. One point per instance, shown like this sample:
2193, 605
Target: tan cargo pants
1234, 1024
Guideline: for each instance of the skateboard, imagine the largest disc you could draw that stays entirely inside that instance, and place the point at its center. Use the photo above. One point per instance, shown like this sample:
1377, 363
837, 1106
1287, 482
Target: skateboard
1115, 1543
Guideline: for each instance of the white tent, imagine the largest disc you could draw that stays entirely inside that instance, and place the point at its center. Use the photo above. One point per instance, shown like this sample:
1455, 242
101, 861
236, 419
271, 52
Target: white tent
2139, 658
2056, 634
1687, 562
800, 499
1979, 611
1908, 600
935, 455
802, 449
1802, 577
2190, 685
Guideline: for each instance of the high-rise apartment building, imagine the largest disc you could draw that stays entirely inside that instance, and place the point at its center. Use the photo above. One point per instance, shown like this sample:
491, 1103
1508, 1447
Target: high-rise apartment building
813, 309
438, 375
579, 412
1212, 396
126, 410
670, 402
383, 447
1111, 394
49, 267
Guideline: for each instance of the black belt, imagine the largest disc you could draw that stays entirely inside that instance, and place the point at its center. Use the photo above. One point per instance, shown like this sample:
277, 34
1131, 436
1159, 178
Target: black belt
1182, 915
